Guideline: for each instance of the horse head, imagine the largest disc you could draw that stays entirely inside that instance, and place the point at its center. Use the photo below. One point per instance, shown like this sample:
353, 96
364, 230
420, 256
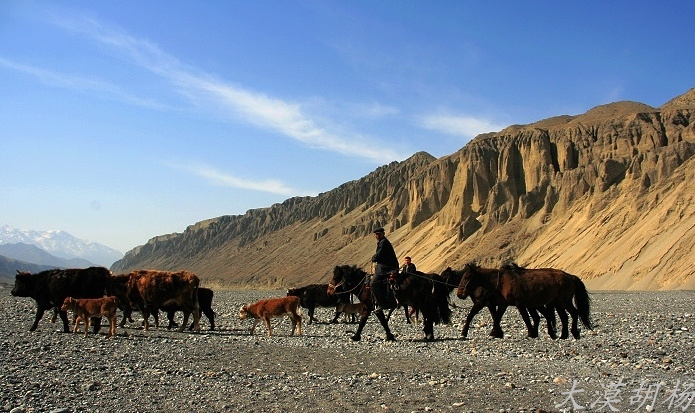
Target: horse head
338, 279
465, 287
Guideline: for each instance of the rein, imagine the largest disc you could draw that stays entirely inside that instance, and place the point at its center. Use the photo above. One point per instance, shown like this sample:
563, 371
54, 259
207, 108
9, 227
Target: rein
430, 279
341, 283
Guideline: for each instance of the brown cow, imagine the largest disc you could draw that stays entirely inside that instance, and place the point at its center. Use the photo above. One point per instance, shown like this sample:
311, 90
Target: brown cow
273, 308
85, 308
149, 290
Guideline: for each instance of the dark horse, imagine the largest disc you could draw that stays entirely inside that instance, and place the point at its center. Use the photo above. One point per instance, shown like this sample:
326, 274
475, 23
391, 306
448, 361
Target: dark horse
532, 288
482, 298
424, 292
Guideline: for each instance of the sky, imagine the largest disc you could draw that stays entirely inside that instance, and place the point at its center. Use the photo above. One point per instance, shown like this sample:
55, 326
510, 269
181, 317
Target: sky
124, 120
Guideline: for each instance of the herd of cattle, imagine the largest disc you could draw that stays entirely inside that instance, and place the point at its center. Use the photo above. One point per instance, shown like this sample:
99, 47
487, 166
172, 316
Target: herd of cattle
92, 293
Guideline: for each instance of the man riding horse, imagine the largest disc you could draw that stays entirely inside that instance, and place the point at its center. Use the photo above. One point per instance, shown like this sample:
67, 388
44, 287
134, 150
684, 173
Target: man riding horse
386, 263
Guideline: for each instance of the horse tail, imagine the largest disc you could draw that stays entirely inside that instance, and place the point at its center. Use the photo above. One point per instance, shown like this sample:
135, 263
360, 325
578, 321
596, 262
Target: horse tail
583, 301
441, 298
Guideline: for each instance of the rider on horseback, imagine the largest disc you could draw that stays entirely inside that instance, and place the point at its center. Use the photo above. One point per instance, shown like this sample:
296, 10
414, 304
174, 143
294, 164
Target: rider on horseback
386, 262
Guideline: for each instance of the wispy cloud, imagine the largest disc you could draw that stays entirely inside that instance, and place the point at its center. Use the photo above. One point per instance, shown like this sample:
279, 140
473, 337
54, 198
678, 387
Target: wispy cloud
373, 110
80, 83
259, 109
465, 126
219, 178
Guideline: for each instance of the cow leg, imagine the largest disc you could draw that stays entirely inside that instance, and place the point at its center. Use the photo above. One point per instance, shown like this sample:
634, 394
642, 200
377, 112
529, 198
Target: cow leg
255, 323
86, 324
311, 314
96, 323
472, 313
155, 314
384, 323
407, 314
63, 316
183, 325
146, 316
296, 321
196, 319
268, 326
126, 316
112, 325
211, 317
172, 322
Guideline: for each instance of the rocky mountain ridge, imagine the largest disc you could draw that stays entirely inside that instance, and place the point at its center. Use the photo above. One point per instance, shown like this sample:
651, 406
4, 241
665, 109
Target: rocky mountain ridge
606, 195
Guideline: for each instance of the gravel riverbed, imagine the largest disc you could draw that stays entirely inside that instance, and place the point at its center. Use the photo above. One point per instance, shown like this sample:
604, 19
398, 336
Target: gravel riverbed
641, 357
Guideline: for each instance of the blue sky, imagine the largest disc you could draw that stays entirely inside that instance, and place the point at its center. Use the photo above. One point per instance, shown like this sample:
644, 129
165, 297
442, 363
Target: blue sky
130, 119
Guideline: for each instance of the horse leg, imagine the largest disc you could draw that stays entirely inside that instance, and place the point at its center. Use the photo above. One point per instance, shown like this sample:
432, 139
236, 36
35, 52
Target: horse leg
497, 320
548, 312
363, 321
428, 328
574, 313
563, 317
531, 331
388, 316
474, 310
384, 323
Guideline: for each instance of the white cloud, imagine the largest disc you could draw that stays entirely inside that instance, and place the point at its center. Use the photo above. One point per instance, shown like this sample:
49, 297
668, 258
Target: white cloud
79, 83
261, 110
219, 178
466, 126
374, 110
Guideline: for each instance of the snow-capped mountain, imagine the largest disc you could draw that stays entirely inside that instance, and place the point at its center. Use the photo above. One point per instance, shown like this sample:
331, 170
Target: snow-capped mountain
61, 244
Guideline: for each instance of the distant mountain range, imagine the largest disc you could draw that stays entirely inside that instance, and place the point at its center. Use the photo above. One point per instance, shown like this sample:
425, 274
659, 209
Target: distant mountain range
35, 255
57, 243
606, 195
10, 266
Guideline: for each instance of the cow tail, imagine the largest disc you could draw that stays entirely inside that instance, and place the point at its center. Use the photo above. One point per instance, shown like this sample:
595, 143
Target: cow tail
195, 295
583, 301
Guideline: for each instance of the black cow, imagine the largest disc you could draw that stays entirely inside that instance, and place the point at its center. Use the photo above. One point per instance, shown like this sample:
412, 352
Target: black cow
50, 288
204, 301
117, 285
315, 295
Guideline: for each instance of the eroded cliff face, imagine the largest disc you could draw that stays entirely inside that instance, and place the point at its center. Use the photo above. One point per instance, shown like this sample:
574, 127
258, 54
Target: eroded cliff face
607, 195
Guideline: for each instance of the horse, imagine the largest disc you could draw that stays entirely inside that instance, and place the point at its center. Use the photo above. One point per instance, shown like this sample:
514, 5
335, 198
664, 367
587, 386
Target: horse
423, 292
532, 288
482, 297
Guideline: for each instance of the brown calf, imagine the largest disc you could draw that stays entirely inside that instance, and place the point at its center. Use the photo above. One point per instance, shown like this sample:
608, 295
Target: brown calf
85, 308
350, 310
273, 308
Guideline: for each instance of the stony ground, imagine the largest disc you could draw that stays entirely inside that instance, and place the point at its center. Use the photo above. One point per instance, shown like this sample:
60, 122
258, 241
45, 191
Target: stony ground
644, 341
